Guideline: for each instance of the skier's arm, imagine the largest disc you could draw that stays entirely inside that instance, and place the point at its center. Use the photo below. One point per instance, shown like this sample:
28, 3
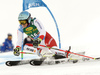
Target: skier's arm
19, 41
41, 29
19, 36
42, 33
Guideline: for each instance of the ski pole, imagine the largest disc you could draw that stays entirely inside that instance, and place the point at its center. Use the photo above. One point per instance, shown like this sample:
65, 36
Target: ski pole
56, 48
26, 53
68, 51
82, 55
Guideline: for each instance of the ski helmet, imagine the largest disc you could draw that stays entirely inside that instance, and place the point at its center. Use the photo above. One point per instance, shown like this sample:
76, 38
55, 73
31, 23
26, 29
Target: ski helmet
24, 15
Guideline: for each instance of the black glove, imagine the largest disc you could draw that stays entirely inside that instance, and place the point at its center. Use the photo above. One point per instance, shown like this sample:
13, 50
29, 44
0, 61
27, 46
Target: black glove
36, 42
17, 51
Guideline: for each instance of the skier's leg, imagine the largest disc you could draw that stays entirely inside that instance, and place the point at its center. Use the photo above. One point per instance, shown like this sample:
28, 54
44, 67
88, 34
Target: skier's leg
45, 51
50, 42
29, 48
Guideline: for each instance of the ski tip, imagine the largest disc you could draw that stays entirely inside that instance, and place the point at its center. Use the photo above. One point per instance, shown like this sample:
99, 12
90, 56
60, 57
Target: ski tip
97, 58
8, 63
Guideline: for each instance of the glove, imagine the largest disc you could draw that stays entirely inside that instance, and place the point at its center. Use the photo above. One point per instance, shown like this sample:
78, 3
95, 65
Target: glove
17, 51
36, 42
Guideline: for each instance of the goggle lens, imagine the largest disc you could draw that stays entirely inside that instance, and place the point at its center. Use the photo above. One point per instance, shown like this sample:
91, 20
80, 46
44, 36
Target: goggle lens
23, 22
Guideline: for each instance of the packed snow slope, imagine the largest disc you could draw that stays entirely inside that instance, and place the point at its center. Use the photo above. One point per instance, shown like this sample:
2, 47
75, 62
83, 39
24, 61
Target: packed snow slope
86, 68
79, 68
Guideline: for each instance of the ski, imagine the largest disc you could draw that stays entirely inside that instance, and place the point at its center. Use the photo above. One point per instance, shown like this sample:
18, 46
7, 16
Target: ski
22, 62
39, 61
98, 58
17, 62
50, 61
60, 61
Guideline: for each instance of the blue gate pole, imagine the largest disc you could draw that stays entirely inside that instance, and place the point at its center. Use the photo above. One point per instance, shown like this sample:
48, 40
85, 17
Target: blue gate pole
56, 26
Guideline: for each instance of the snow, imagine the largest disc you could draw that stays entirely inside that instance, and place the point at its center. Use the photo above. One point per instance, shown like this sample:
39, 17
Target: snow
91, 67
86, 68
79, 25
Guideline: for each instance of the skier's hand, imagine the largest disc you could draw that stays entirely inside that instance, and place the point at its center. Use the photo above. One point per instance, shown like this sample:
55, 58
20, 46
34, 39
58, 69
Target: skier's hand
36, 42
17, 51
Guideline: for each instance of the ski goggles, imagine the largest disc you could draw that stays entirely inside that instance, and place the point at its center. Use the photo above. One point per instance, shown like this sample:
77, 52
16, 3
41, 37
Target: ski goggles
22, 21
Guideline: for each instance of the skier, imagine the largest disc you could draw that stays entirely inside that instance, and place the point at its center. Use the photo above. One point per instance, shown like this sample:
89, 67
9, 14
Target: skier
34, 28
7, 45
0, 48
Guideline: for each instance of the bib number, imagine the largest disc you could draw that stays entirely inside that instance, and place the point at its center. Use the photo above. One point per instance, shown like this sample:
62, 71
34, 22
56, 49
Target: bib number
33, 35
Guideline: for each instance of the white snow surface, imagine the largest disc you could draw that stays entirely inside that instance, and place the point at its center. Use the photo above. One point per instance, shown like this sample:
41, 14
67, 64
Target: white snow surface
80, 68
87, 68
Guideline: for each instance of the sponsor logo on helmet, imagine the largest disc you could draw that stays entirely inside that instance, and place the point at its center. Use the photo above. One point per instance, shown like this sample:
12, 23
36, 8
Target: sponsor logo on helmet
29, 29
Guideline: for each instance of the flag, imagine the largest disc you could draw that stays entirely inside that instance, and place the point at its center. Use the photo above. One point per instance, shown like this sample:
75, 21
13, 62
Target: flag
32, 3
